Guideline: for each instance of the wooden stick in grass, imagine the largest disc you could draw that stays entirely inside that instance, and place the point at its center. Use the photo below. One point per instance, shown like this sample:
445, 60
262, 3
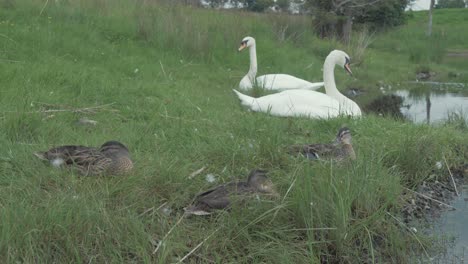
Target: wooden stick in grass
83, 110
419, 241
168, 233
451, 176
196, 247
430, 198
195, 173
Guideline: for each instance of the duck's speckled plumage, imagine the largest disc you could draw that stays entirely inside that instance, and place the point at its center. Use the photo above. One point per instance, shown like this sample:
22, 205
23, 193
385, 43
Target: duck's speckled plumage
222, 196
111, 158
339, 150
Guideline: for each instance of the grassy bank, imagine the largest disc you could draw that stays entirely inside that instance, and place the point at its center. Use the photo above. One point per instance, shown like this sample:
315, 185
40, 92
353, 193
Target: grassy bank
161, 79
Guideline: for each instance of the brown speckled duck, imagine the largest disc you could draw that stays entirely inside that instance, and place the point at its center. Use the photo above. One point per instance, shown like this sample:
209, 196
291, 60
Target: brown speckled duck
112, 158
222, 196
340, 149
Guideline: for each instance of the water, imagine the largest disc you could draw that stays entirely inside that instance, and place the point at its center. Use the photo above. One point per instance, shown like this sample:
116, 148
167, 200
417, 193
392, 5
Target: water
433, 106
452, 227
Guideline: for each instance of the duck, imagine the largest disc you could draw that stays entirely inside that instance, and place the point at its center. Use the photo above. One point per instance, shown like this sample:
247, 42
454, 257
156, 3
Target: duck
112, 158
340, 149
270, 81
221, 197
308, 103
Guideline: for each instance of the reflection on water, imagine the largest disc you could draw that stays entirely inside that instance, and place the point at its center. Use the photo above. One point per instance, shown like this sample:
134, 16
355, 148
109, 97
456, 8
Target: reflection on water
452, 226
432, 106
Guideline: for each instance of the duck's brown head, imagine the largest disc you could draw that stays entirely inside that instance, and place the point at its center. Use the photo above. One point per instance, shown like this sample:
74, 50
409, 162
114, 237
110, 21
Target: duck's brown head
260, 182
119, 155
344, 136
114, 147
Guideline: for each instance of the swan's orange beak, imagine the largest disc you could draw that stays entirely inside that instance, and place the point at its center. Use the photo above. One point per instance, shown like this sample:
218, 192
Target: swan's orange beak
348, 69
242, 46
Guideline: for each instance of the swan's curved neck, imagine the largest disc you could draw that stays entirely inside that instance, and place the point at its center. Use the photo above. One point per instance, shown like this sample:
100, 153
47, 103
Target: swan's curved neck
329, 78
253, 63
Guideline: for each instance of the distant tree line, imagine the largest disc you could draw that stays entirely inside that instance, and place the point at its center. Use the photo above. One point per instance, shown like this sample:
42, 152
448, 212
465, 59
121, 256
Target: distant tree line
335, 18
331, 17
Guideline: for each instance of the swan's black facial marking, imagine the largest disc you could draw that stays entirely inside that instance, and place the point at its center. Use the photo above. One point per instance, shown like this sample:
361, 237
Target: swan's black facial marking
347, 60
346, 66
243, 44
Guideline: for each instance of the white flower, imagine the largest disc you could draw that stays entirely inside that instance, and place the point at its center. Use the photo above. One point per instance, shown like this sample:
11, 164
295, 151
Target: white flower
166, 210
438, 165
210, 178
413, 229
57, 162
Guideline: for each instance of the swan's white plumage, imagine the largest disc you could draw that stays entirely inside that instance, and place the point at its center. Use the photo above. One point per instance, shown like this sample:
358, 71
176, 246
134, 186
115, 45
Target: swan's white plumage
293, 103
270, 81
279, 82
308, 103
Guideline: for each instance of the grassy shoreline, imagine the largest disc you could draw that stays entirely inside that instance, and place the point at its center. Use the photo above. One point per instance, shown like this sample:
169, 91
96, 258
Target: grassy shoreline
167, 74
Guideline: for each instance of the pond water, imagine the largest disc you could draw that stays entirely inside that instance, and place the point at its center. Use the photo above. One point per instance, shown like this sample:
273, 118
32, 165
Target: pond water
452, 228
433, 105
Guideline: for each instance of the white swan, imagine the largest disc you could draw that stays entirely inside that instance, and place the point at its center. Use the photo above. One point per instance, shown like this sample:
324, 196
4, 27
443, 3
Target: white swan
309, 103
270, 81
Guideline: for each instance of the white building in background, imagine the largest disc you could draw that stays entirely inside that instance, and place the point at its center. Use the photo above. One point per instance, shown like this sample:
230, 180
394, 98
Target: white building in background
419, 5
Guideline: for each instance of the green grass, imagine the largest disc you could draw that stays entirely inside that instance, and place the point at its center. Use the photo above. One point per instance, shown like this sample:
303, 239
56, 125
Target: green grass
177, 113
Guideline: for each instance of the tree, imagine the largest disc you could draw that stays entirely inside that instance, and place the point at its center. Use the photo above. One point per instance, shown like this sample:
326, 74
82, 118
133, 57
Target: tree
336, 17
216, 3
258, 5
383, 14
192, 2
283, 5
450, 4
429, 23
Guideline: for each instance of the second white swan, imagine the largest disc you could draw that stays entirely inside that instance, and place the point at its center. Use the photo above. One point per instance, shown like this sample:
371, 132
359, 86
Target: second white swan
309, 103
270, 81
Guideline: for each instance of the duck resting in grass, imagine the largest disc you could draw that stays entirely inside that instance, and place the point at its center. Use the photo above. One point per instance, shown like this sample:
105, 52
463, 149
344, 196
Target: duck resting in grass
224, 195
307, 103
112, 158
278, 81
339, 150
